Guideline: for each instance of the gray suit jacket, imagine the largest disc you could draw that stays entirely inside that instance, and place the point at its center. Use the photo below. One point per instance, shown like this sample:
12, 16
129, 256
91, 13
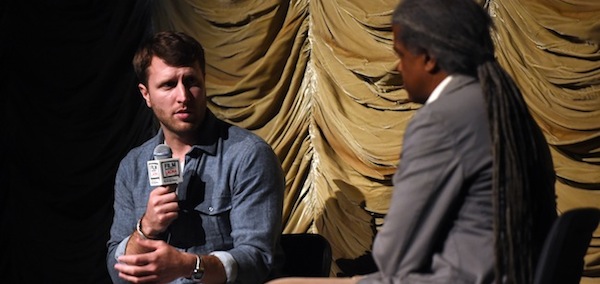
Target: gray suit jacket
439, 228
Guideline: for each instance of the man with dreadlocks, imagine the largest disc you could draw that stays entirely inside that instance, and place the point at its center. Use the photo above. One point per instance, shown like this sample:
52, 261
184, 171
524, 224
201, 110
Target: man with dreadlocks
474, 192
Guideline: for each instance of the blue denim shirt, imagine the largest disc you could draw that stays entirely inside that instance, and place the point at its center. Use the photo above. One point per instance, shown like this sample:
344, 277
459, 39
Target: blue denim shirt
234, 200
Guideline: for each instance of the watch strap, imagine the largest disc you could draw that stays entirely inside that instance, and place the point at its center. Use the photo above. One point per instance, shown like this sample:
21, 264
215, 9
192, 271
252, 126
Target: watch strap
198, 271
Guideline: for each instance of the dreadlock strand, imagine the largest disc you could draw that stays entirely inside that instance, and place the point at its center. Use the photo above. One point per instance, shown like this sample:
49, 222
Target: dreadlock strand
509, 127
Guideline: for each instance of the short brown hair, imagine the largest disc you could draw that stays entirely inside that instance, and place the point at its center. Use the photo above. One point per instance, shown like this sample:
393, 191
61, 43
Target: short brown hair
175, 48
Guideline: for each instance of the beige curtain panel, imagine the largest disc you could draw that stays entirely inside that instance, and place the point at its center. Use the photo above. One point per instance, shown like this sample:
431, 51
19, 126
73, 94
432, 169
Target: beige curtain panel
317, 80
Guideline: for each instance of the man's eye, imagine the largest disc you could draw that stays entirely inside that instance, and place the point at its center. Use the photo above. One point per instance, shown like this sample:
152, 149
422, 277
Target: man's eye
191, 82
168, 85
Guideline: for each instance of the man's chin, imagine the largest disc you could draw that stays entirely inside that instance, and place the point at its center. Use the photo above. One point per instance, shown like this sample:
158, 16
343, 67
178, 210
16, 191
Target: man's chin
182, 128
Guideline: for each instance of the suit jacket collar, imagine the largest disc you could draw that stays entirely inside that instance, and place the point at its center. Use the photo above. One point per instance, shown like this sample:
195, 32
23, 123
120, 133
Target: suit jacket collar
458, 81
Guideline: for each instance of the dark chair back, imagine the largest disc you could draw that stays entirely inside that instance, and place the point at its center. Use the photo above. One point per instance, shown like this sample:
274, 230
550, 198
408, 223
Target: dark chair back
561, 260
306, 255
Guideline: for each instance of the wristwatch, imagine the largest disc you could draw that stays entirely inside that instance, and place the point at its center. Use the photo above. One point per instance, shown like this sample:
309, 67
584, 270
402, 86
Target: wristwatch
198, 271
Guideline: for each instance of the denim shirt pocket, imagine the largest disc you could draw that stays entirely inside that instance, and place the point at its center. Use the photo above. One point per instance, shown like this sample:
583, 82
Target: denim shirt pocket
215, 215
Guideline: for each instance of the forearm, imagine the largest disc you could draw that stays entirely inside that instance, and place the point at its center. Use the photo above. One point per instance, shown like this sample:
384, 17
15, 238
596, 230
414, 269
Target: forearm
214, 271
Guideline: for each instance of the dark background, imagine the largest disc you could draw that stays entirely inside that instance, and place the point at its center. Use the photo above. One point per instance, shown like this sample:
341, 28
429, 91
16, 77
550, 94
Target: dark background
70, 111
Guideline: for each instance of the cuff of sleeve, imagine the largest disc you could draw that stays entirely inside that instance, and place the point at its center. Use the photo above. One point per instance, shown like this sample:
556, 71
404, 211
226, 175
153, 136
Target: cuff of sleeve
228, 262
121, 248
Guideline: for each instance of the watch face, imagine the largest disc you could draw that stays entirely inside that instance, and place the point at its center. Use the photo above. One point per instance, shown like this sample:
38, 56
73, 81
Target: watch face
197, 275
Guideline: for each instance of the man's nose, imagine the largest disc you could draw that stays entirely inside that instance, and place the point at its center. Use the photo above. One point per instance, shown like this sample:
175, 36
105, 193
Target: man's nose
181, 92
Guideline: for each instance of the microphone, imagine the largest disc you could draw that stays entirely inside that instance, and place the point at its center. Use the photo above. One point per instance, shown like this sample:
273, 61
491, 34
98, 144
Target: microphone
163, 170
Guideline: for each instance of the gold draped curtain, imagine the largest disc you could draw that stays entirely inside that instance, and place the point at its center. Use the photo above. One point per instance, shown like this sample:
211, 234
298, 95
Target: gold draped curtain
316, 79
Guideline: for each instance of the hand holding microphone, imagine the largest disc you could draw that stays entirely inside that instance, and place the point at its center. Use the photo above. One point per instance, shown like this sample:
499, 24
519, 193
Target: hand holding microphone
164, 172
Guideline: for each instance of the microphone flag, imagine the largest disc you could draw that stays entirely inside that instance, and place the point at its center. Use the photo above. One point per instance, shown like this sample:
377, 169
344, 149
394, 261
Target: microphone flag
164, 169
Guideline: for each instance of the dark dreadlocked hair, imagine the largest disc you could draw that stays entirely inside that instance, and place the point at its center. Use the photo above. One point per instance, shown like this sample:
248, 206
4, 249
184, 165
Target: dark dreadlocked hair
457, 34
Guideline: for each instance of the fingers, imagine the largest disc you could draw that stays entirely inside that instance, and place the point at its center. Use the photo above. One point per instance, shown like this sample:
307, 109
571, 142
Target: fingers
140, 251
163, 214
162, 209
139, 279
149, 245
162, 196
160, 265
136, 273
166, 193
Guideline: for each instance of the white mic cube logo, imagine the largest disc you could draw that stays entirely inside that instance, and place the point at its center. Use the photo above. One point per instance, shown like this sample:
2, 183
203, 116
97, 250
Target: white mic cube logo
164, 172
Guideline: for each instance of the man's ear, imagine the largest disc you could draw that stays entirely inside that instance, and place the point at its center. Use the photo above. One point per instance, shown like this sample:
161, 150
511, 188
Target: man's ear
145, 94
431, 65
